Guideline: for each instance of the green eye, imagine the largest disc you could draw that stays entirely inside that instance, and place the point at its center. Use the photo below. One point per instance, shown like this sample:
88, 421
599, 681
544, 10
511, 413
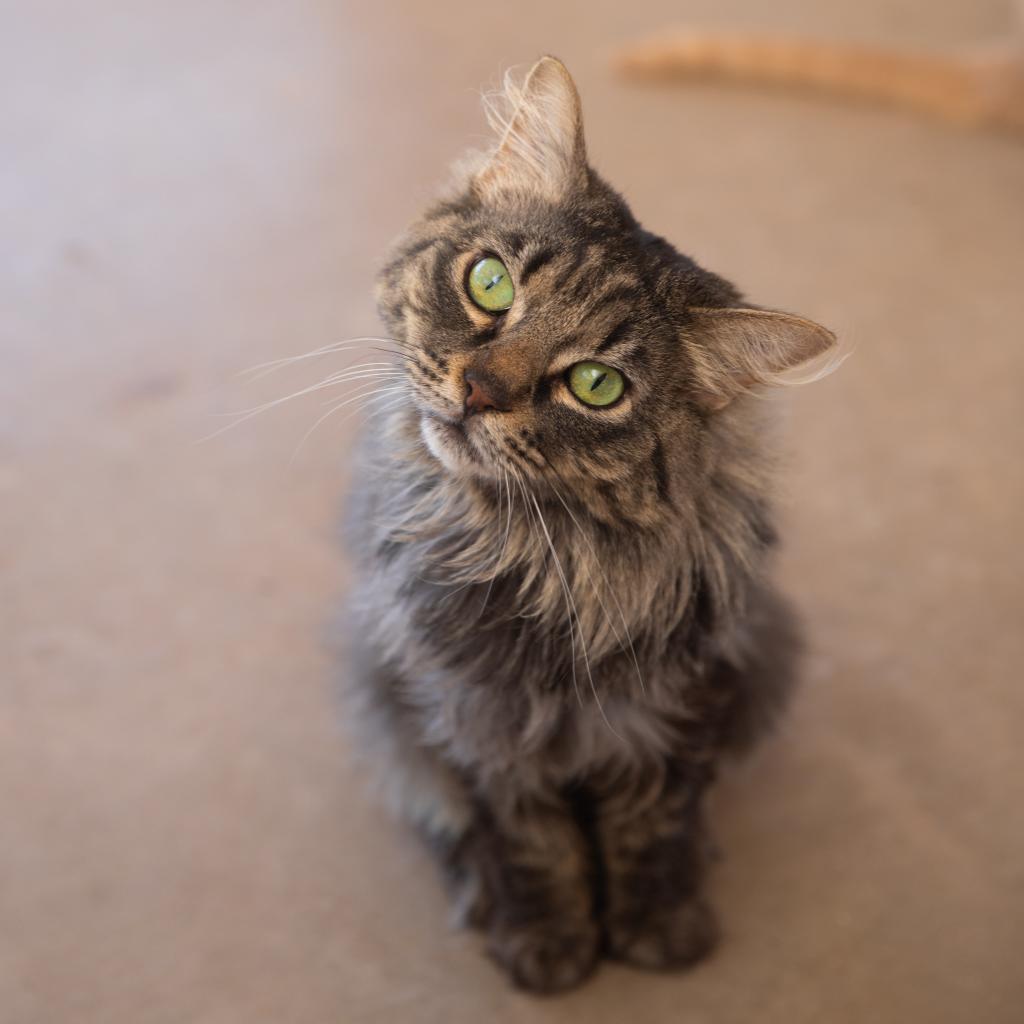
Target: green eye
596, 384
490, 285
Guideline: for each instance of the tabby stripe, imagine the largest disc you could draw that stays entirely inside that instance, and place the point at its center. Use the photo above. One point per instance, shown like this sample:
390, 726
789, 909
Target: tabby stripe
534, 263
439, 360
421, 246
487, 334
660, 471
619, 293
515, 244
615, 335
526, 456
407, 254
428, 373
578, 256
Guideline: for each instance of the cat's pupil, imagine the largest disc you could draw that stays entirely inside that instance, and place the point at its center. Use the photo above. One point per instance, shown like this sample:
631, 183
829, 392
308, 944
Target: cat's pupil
598, 381
493, 281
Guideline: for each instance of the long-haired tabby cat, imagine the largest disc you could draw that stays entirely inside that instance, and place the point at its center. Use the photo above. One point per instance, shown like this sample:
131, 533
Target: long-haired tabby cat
561, 613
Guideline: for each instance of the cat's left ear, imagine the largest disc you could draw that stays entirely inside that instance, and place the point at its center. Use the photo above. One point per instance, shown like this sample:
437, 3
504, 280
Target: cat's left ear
540, 149
735, 350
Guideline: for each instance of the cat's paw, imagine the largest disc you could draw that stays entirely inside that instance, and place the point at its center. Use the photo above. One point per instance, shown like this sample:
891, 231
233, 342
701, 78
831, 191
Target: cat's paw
547, 957
666, 941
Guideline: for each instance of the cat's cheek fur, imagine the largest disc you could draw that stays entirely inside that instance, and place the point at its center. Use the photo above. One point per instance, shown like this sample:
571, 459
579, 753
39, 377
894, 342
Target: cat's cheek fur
444, 442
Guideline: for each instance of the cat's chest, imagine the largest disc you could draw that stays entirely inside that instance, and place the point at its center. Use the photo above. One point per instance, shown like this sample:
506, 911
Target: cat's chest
625, 730
538, 709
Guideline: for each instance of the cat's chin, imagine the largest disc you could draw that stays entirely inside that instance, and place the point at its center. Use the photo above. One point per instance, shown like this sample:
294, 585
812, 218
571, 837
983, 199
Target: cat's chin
451, 447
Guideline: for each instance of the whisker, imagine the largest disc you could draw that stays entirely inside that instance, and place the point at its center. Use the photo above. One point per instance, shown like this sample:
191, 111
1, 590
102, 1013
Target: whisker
263, 369
341, 405
597, 592
561, 579
368, 375
504, 544
334, 378
392, 403
579, 623
247, 414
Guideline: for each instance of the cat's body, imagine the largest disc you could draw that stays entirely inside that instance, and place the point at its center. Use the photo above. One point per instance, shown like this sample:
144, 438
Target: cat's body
485, 662
561, 613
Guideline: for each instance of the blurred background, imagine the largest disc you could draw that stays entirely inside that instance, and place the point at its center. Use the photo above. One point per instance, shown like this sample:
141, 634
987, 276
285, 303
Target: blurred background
189, 188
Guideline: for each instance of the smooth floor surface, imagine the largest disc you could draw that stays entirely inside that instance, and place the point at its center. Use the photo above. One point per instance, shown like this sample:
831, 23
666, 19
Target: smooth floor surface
188, 189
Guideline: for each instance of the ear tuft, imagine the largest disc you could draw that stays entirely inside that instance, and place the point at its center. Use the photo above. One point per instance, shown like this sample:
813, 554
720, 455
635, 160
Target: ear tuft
539, 125
738, 349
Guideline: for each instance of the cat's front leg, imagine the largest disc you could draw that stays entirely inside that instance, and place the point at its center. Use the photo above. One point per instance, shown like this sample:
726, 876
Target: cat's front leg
653, 852
538, 871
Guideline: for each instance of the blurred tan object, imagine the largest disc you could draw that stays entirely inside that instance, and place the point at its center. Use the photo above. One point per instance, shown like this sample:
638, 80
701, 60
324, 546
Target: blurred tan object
980, 87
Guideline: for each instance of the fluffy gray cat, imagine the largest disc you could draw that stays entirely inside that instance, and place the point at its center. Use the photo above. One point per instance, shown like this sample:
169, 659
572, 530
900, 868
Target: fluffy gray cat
561, 616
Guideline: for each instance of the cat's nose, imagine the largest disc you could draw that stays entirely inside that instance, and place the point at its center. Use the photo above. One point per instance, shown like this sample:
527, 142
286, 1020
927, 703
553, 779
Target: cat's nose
478, 394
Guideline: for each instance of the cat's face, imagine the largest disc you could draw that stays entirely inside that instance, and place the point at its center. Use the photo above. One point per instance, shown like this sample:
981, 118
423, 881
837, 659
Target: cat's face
536, 343
548, 337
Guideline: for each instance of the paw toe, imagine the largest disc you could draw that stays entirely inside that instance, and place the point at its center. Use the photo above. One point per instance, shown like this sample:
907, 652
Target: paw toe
668, 941
546, 961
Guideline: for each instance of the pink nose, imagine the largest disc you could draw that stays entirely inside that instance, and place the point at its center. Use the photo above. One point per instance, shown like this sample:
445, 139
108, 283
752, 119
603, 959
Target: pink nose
477, 398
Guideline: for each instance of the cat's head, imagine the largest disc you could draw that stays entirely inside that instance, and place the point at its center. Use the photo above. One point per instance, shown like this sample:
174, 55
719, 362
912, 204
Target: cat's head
548, 335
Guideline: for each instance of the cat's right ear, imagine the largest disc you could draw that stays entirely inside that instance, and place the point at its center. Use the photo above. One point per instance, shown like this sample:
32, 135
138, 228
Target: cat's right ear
540, 149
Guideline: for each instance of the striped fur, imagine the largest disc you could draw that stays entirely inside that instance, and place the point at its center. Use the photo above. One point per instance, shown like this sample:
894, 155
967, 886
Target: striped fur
561, 613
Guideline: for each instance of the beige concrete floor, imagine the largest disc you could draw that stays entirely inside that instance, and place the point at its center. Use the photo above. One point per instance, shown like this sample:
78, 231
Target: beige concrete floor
188, 188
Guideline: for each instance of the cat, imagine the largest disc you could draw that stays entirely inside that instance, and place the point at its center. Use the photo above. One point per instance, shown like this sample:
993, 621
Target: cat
561, 614
983, 88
